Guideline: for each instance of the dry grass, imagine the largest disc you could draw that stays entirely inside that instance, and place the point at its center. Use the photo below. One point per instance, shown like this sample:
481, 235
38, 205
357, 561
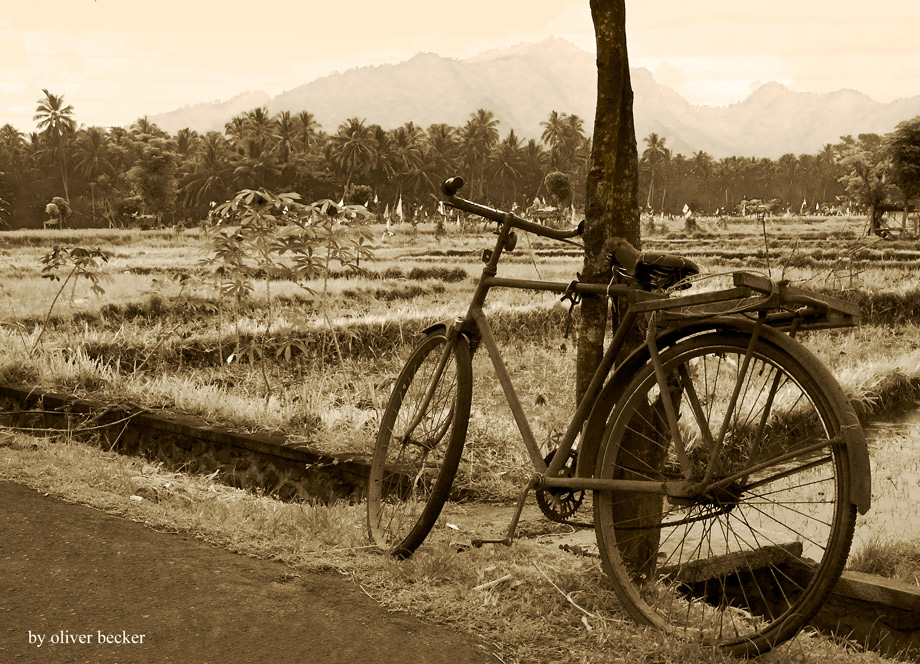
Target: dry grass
533, 603
156, 342
896, 559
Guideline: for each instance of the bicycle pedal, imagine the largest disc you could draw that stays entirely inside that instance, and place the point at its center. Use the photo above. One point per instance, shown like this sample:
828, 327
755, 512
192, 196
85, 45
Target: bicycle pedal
477, 543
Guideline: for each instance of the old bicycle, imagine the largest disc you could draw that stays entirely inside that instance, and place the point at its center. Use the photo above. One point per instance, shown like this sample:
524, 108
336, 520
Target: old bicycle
726, 464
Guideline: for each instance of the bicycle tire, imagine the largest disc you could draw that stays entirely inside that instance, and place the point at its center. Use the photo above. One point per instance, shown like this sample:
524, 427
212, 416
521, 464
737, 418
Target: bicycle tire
743, 568
410, 481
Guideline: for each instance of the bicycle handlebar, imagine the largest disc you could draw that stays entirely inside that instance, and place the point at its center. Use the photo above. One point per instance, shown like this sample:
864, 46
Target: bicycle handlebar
450, 187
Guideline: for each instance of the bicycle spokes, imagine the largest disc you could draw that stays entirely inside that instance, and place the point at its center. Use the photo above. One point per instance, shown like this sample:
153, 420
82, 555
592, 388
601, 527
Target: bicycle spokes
731, 560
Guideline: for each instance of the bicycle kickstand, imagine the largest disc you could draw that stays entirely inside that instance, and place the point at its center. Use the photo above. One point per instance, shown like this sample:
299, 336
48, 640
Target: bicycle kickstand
509, 537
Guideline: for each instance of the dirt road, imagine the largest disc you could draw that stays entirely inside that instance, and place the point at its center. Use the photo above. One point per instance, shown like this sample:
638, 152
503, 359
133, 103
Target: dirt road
78, 585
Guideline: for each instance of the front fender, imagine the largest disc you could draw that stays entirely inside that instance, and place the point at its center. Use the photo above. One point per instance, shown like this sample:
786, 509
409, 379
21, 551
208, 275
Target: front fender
471, 333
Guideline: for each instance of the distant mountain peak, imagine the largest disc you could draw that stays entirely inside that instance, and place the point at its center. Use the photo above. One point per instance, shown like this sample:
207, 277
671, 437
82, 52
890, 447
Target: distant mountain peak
550, 45
522, 84
771, 89
425, 55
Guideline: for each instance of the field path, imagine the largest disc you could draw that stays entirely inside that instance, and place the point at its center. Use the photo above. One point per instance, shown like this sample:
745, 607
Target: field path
70, 573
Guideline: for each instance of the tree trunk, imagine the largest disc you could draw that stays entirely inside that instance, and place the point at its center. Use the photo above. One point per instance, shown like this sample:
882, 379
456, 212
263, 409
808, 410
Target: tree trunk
651, 188
612, 209
612, 191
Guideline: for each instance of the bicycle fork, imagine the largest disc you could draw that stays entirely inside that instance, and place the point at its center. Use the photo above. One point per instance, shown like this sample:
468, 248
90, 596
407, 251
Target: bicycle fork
451, 339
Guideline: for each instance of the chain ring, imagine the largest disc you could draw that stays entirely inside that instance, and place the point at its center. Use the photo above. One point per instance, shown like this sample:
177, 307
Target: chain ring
557, 503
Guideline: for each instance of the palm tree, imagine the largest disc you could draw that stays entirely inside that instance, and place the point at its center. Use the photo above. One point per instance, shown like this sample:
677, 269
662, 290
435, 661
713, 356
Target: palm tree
211, 172
285, 134
186, 141
573, 140
406, 151
533, 170
11, 139
235, 129
701, 166
91, 158
255, 163
56, 126
384, 168
477, 138
353, 149
307, 127
443, 138
731, 172
145, 129
12, 149
259, 125
827, 160
787, 169
808, 174
653, 156
505, 168
554, 129
440, 152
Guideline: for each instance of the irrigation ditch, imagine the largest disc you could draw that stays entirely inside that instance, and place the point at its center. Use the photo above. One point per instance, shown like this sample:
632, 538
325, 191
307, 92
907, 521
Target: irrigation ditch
873, 612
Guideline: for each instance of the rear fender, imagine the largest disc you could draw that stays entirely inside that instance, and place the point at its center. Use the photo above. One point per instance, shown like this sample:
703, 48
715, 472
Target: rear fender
851, 432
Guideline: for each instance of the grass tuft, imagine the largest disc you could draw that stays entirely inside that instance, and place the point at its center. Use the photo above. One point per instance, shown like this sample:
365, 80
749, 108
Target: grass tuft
893, 559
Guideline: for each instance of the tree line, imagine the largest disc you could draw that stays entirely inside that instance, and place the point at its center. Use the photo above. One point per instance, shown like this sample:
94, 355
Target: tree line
110, 176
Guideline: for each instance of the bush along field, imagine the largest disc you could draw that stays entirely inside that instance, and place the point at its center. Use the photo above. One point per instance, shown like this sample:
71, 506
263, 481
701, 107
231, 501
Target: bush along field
295, 318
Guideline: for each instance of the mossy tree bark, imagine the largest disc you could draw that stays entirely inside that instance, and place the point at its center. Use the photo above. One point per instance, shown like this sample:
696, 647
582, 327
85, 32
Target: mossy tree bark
612, 192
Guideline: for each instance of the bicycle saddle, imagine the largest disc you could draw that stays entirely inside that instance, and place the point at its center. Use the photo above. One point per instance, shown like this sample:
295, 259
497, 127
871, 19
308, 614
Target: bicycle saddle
653, 270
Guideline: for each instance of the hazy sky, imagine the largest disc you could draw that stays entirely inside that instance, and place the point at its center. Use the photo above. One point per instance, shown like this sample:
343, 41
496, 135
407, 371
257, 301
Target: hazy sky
116, 60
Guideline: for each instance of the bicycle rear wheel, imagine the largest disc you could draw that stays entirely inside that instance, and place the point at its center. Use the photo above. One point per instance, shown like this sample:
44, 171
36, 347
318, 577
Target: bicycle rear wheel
419, 444
744, 565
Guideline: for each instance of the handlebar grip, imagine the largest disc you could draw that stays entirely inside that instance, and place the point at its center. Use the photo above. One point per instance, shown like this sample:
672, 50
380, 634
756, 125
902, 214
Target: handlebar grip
451, 186
623, 253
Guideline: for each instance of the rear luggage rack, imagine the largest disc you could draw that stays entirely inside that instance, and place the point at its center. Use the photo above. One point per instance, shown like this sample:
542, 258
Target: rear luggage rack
778, 303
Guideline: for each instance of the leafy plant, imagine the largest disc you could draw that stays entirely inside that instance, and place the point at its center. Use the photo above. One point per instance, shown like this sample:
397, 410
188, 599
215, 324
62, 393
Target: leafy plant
260, 234
76, 263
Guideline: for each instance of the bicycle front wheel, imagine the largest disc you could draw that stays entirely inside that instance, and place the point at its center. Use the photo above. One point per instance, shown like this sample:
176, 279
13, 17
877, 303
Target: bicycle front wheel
419, 444
747, 561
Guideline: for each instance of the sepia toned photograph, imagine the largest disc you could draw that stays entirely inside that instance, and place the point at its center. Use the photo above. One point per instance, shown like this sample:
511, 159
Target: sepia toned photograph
518, 332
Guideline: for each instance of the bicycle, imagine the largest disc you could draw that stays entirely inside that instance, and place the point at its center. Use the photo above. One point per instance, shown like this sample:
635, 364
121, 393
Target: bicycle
726, 464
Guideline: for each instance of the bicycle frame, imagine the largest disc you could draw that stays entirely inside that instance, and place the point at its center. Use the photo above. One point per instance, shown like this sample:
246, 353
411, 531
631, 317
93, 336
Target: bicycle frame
476, 325
717, 447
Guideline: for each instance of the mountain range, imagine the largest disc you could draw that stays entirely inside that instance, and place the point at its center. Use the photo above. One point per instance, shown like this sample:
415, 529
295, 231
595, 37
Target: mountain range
521, 85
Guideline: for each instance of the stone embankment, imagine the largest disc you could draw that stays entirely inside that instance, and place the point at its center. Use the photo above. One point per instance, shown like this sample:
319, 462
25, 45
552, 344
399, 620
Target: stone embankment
263, 461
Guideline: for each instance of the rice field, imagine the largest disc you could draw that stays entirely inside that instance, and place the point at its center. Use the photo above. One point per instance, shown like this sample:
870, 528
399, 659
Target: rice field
315, 360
